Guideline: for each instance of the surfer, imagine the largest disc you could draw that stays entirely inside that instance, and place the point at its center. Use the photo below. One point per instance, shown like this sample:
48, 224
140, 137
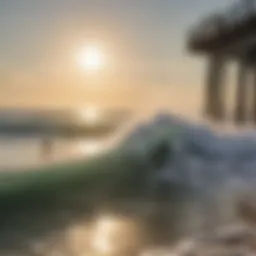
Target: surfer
46, 147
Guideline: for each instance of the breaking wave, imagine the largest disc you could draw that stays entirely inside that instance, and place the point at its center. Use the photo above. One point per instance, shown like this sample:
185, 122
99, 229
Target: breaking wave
217, 169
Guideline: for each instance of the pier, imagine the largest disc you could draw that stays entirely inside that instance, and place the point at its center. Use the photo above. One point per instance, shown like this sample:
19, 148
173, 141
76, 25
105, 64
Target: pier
225, 37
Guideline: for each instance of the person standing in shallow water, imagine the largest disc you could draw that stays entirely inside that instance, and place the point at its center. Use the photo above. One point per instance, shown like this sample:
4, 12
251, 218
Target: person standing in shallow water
46, 148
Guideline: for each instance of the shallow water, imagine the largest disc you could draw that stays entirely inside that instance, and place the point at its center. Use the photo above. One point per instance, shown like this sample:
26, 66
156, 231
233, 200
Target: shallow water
17, 152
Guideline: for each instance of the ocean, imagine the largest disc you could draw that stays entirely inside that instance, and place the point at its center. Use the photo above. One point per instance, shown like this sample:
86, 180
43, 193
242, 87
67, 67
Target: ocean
18, 153
219, 168
30, 138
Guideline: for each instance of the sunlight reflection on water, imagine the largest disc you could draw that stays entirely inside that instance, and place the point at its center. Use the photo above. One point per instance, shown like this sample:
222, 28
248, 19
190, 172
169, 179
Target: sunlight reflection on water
106, 236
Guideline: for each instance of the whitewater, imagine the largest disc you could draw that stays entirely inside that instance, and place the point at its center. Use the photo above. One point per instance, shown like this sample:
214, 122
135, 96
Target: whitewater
216, 174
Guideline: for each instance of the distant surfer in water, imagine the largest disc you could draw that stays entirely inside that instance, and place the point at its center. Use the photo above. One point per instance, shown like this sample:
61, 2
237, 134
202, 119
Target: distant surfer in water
46, 147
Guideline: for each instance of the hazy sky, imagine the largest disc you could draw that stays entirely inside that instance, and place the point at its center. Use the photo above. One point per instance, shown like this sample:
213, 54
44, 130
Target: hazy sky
143, 40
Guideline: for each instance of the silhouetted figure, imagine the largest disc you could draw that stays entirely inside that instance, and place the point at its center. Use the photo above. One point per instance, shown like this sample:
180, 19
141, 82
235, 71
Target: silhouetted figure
46, 147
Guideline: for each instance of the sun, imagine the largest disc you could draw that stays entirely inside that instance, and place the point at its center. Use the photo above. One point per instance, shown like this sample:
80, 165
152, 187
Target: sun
91, 58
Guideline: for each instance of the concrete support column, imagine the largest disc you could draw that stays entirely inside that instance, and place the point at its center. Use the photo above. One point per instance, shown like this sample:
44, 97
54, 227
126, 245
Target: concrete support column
241, 94
214, 98
253, 116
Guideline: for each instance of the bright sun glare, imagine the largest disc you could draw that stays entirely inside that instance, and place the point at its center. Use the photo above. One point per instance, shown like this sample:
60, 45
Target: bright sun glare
91, 58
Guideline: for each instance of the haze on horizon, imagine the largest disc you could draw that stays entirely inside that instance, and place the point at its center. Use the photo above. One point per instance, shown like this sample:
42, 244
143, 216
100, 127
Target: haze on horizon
143, 43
